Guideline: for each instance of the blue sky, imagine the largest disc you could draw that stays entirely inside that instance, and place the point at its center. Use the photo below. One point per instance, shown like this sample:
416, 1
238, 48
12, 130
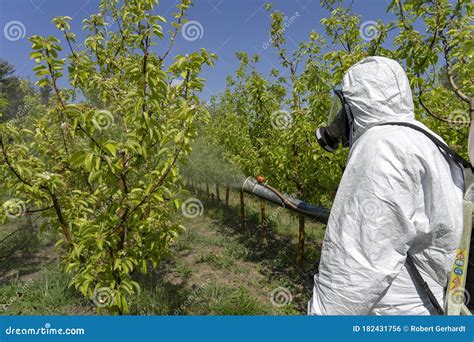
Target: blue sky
228, 26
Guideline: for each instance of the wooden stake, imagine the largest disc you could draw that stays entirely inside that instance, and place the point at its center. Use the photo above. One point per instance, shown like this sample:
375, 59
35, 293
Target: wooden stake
263, 222
242, 210
301, 238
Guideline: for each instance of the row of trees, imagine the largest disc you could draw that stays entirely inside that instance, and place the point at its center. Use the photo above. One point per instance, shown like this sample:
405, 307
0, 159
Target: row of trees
104, 172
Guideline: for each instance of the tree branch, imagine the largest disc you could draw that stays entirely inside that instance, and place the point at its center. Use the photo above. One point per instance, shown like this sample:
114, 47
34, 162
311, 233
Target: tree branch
10, 166
425, 107
56, 206
68, 41
62, 221
459, 93
173, 35
402, 15
153, 190
39, 210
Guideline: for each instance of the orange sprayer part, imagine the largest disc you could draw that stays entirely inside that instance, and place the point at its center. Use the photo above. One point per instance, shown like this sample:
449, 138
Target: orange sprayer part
261, 179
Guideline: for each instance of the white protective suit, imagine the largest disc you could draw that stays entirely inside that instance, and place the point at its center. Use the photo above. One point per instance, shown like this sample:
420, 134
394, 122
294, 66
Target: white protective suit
398, 194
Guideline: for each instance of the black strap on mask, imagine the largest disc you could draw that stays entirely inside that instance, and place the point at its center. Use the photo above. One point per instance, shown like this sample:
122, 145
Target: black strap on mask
348, 115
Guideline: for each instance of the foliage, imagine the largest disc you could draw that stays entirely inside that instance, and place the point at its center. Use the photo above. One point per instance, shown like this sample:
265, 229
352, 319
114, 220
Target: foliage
105, 172
433, 41
11, 92
439, 63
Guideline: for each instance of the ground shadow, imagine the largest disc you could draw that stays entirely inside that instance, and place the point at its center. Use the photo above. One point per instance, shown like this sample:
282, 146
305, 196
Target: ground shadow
22, 254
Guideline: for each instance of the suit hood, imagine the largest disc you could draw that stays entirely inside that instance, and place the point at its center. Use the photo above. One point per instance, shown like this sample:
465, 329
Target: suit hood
377, 90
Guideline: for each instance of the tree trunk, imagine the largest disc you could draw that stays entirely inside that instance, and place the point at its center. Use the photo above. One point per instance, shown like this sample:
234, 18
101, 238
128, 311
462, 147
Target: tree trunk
227, 191
212, 197
263, 222
29, 220
207, 190
301, 237
242, 210
218, 196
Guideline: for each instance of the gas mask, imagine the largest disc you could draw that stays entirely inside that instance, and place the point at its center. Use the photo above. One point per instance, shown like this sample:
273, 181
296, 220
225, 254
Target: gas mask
339, 127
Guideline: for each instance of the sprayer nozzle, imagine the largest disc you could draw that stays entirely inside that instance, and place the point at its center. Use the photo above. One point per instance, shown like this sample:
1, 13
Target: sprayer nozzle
261, 179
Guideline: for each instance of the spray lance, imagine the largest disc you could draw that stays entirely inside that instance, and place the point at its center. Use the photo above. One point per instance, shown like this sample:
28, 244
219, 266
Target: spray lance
260, 188
338, 131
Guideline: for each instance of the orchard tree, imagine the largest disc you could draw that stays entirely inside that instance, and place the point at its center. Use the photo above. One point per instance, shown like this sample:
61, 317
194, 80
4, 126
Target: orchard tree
11, 92
104, 173
437, 57
439, 64
300, 165
242, 124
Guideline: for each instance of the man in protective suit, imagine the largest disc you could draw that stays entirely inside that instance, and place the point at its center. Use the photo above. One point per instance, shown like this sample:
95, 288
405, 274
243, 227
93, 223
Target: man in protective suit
399, 195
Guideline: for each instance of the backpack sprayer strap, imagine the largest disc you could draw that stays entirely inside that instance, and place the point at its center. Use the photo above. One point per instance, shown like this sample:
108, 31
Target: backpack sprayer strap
443, 146
457, 278
424, 285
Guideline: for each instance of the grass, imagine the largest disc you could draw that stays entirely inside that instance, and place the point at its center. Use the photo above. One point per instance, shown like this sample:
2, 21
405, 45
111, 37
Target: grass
216, 269
223, 300
31, 281
48, 294
182, 269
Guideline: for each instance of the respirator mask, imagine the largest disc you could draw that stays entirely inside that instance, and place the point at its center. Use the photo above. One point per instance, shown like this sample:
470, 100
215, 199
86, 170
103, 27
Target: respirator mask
339, 127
